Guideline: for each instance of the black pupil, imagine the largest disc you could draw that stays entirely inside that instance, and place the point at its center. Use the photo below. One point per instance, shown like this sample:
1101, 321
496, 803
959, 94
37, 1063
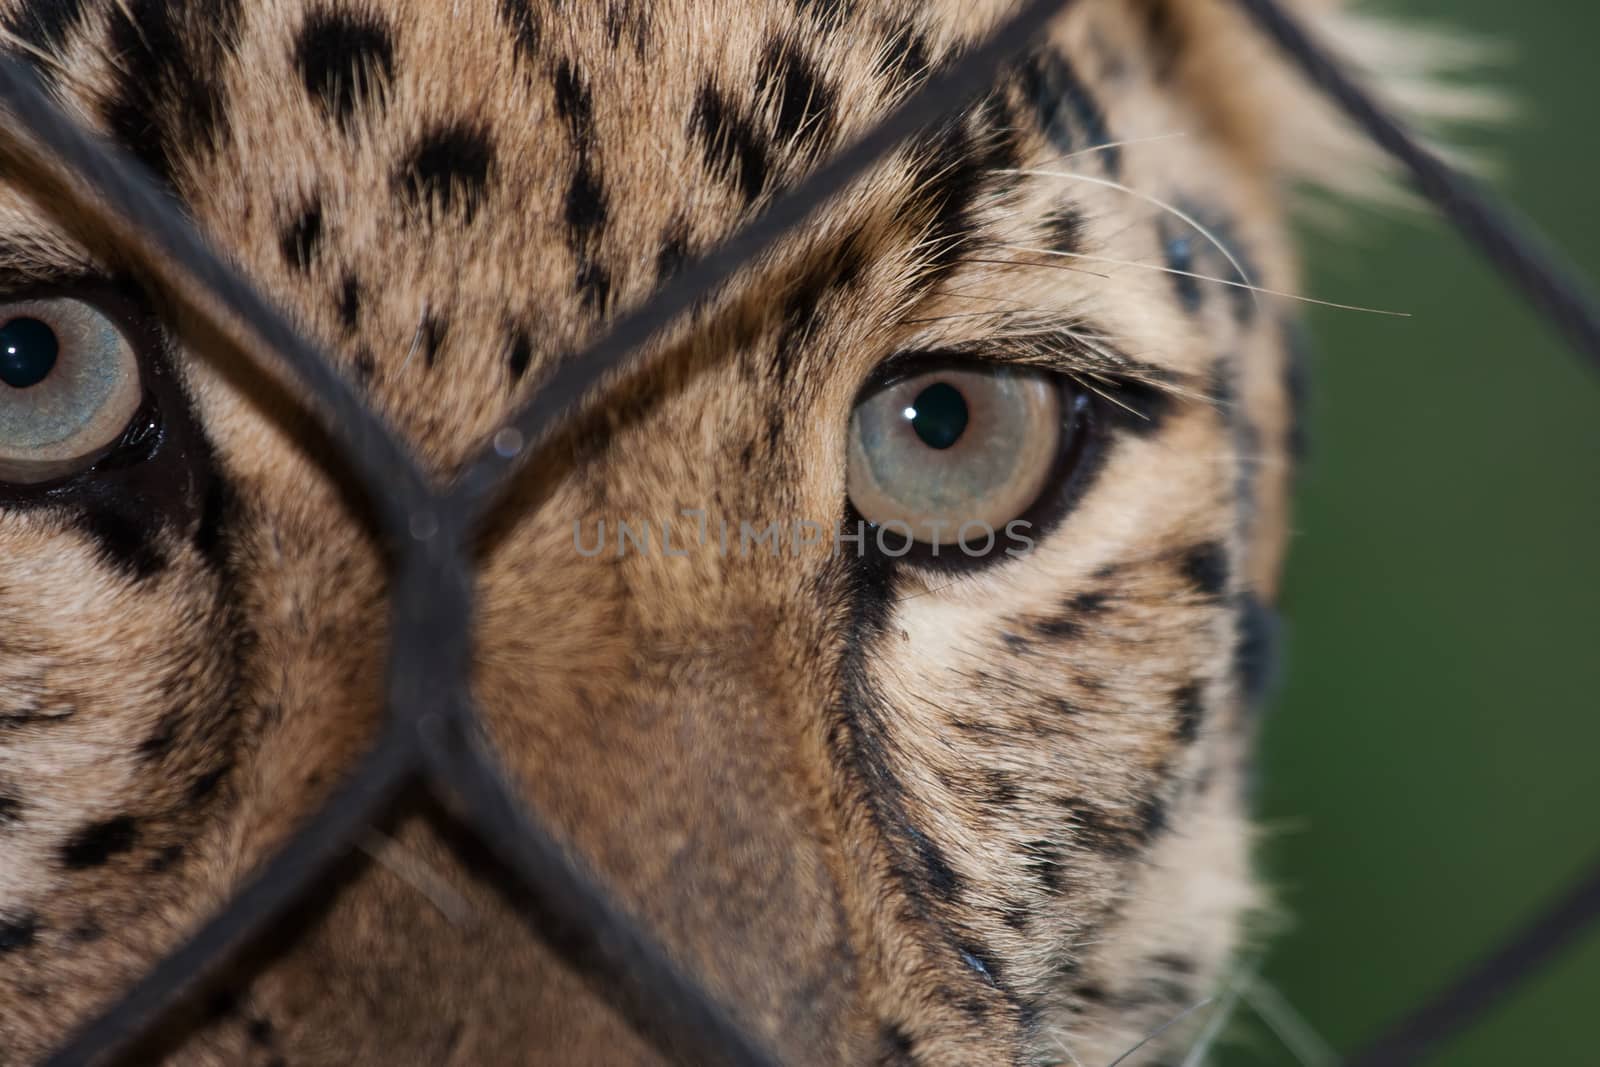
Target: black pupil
939, 415
28, 350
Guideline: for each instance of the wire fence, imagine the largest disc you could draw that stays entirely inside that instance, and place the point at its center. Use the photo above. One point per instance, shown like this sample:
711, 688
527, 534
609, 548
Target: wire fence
431, 732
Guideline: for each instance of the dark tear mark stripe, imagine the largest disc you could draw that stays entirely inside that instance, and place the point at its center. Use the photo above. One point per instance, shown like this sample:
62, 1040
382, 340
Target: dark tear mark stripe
1062, 102
346, 61
125, 541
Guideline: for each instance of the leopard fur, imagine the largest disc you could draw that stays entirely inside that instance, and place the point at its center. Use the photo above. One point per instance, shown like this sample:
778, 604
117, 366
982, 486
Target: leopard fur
890, 816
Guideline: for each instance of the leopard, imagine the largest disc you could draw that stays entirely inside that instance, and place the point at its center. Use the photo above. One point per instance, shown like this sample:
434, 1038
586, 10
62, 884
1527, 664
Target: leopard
894, 794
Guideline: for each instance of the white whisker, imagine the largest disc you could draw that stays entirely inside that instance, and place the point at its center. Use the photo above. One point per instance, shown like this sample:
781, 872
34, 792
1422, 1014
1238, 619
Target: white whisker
1172, 209
1208, 278
1163, 1028
1288, 1025
416, 338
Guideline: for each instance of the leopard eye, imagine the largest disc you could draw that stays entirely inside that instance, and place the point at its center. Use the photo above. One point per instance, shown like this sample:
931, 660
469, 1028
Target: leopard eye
69, 387
954, 453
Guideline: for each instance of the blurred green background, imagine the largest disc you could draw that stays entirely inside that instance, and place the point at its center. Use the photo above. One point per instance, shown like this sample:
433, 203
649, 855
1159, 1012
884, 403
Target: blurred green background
1430, 765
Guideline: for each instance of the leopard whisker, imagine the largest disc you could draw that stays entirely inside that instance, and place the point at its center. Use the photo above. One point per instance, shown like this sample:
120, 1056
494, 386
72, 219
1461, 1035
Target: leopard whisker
1163, 1028
1172, 209
1209, 278
1288, 1025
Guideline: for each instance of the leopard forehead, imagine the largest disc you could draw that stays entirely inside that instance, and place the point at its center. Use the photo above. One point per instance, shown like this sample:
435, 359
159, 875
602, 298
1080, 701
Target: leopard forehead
889, 816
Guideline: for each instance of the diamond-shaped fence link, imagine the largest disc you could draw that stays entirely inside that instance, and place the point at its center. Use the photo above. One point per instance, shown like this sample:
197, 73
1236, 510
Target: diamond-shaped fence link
431, 733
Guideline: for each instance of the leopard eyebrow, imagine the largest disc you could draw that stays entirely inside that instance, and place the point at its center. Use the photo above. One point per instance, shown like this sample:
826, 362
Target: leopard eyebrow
1070, 347
30, 252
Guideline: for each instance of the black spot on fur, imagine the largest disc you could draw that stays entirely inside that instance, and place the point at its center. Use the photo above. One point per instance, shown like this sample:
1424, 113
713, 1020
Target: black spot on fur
1163, 35
523, 21
1205, 566
1088, 603
45, 25
1064, 229
10, 809
594, 285
1297, 386
207, 783
1059, 628
164, 859
160, 740
126, 542
93, 845
829, 13
350, 302
585, 203
1178, 248
941, 877
300, 238
1067, 111
1190, 710
1002, 789
434, 331
363, 364
1016, 918
574, 104
895, 1048
806, 102
448, 169
1171, 961
519, 353
956, 163
1256, 650
346, 60
169, 99
828, 272
1046, 863
259, 1031
18, 933
1098, 830
87, 932
673, 253
905, 60
733, 148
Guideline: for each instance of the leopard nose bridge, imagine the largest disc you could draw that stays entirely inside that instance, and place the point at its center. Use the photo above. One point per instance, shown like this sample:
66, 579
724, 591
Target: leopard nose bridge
680, 791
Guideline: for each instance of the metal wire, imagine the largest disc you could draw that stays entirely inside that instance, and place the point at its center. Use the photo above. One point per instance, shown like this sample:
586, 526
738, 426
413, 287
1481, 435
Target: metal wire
431, 730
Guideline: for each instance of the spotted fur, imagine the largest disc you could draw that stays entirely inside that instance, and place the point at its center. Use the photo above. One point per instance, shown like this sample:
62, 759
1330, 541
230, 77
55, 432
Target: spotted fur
892, 816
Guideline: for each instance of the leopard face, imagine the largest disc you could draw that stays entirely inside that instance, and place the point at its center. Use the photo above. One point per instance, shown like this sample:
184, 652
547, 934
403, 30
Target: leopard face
894, 809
